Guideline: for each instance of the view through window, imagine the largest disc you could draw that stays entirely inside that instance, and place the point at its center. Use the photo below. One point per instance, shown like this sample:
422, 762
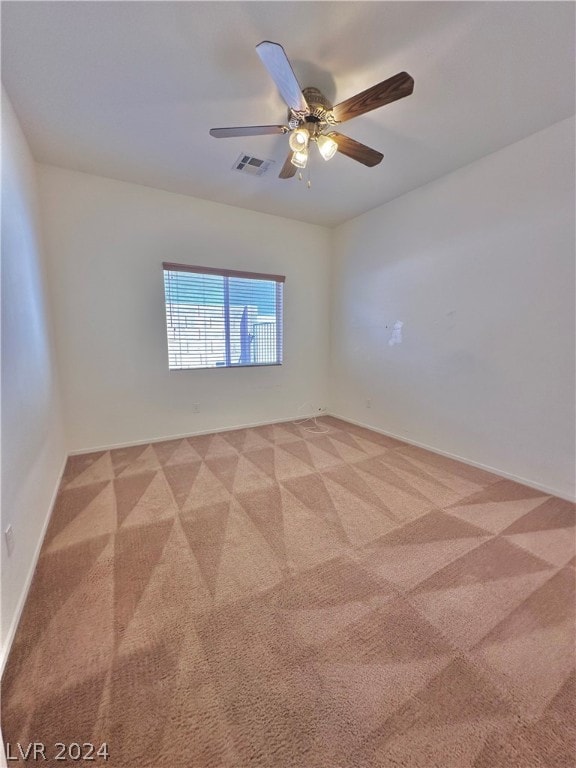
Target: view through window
218, 318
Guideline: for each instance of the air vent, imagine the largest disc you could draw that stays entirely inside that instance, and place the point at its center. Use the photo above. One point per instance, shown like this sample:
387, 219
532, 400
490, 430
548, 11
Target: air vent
252, 165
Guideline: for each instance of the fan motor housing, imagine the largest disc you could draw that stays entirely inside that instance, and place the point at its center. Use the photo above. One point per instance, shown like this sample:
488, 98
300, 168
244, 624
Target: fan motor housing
316, 99
320, 107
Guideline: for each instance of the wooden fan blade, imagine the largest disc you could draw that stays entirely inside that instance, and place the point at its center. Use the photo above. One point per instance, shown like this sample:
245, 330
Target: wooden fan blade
247, 130
288, 170
394, 88
356, 151
276, 62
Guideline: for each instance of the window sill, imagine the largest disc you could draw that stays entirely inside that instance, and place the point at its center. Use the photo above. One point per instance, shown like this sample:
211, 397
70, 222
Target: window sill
225, 367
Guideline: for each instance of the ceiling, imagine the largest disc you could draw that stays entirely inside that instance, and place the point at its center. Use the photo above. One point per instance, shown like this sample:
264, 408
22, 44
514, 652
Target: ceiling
129, 90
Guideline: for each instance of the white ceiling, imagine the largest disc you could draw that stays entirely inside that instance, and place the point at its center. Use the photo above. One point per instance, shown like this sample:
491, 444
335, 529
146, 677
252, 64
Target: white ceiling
130, 90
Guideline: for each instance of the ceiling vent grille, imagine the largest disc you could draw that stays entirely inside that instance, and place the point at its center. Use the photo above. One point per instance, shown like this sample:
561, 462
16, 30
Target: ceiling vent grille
253, 166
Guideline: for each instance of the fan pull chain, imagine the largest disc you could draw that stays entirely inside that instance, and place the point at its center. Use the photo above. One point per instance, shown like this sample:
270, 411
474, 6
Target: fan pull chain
308, 180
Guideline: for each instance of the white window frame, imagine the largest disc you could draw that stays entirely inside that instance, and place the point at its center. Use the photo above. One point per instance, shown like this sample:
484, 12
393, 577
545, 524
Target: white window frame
226, 274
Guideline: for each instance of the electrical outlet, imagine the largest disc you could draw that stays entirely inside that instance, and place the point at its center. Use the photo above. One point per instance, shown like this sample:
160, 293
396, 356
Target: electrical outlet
368, 403
9, 536
195, 407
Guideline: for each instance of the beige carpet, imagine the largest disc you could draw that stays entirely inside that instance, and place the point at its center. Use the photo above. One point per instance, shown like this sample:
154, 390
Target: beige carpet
272, 597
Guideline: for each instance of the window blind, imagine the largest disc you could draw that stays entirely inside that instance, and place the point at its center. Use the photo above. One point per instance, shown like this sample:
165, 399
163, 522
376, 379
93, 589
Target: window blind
222, 318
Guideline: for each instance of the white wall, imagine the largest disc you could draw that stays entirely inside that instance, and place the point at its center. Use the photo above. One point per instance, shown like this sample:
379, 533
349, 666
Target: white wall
479, 266
33, 450
106, 241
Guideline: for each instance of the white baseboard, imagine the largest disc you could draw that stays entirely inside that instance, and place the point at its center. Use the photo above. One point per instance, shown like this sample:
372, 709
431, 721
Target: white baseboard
5, 651
113, 446
495, 471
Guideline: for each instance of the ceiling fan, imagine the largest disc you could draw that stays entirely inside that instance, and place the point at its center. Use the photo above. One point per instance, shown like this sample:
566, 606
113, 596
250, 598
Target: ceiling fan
311, 117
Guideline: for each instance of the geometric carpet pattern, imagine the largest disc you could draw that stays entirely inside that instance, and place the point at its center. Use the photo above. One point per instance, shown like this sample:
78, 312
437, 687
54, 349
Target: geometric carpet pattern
282, 598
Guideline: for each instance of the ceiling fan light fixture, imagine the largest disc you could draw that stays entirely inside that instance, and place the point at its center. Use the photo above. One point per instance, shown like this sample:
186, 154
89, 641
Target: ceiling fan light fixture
300, 158
326, 146
299, 139
310, 114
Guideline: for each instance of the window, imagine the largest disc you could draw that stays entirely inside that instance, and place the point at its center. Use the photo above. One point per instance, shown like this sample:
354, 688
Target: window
219, 318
